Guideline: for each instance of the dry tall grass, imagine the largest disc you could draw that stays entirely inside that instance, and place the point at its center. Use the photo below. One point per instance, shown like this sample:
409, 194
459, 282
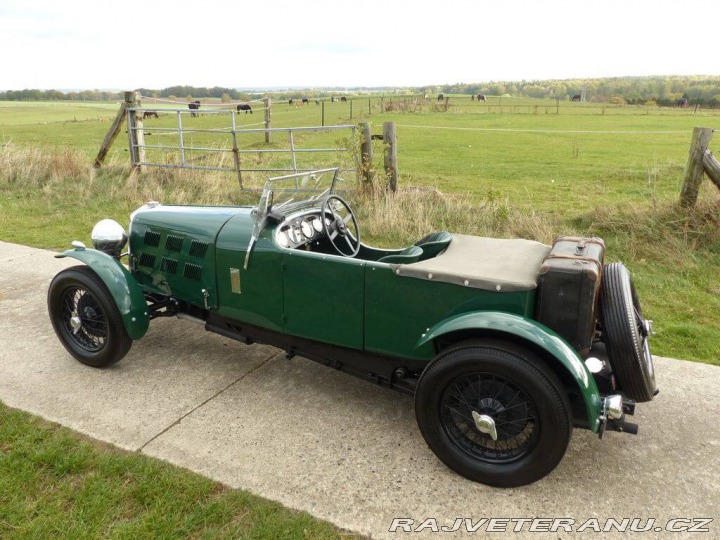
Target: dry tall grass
656, 231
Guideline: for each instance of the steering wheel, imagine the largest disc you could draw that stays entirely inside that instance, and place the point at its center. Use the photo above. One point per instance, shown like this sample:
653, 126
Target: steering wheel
345, 241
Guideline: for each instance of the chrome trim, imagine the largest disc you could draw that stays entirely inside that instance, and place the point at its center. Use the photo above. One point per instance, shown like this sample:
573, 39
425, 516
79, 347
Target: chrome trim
109, 237
77, 244
485, 424
613, 407
594, 365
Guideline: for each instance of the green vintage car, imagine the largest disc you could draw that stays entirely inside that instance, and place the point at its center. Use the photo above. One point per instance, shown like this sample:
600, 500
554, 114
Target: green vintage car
506, 345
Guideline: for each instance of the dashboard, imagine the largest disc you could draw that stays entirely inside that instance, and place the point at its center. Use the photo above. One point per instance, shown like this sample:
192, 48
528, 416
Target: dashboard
300, 230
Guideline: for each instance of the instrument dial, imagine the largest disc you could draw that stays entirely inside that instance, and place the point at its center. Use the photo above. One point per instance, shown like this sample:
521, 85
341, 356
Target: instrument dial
317, 224
282, 239
307, 229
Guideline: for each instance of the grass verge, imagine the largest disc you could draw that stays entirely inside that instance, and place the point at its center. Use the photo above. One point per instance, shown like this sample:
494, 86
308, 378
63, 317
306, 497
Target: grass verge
56, 484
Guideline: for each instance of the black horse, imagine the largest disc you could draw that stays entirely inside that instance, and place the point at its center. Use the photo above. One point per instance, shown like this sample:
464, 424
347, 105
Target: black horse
150, 114
244, 107
577, 97
481, 97
343, 98
440, 97
194, 106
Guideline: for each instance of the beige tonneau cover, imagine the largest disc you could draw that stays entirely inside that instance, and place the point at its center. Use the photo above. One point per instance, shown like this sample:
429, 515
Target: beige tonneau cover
492, 264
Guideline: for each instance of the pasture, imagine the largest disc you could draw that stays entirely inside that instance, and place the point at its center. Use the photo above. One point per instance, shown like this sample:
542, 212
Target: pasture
504, 167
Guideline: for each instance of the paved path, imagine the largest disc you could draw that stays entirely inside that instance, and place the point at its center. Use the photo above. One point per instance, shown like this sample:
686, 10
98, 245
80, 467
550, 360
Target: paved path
340, 448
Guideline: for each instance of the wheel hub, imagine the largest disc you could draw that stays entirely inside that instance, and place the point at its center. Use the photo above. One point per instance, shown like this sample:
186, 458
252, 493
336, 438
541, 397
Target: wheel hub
75, 324
485, 424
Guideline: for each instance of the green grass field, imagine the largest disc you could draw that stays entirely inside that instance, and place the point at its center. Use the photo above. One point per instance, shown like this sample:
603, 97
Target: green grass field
515, 168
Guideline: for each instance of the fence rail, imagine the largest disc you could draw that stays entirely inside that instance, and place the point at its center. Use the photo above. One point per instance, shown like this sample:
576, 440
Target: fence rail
137, 132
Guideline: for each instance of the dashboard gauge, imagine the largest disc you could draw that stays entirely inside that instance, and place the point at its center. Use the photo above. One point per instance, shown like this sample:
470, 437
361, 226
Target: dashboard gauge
317, 224
293, 235
282, 239
307, 229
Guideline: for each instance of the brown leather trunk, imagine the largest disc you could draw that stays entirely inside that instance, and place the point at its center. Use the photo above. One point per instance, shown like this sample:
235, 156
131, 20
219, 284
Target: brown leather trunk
568, 289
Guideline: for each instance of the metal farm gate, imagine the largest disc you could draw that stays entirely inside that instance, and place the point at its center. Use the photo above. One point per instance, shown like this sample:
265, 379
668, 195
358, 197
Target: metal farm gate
180, 138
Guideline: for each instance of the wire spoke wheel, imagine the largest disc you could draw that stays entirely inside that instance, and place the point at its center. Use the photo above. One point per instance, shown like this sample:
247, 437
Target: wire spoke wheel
510, 408
86, 318
493, 412
83, 319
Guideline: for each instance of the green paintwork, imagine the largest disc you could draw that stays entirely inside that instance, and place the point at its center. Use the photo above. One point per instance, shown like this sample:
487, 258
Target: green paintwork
533, 332
324, 296
399, 309
182, 273
357, 303
260, 301
122, 286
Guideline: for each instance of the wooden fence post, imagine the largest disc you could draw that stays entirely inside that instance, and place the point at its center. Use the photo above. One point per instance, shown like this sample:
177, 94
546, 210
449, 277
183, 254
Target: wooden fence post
322, 123
112, 133
268, 135
366, 155
694, 168
369, 109
351, 108
447, 103
136, 135
390, 139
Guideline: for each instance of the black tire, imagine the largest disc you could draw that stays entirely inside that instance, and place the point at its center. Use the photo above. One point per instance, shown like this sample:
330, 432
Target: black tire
512, 386
625, 334
86, 319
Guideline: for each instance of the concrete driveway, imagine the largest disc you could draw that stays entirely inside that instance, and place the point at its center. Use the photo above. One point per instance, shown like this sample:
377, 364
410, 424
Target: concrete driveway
339, 448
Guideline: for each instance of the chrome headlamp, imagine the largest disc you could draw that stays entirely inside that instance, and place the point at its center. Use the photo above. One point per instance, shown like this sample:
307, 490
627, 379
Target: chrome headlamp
109, 237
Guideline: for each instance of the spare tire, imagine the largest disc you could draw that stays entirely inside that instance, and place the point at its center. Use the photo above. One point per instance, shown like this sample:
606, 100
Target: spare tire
625, 333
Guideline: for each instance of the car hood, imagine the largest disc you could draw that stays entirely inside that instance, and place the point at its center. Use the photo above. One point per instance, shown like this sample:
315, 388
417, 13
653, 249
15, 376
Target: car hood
193, 221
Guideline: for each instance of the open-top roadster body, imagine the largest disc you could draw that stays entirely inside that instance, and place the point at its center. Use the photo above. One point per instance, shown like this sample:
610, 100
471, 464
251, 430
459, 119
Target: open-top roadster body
506, 344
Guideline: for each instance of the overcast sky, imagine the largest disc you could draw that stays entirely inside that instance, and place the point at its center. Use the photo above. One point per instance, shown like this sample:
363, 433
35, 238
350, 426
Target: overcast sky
124, 45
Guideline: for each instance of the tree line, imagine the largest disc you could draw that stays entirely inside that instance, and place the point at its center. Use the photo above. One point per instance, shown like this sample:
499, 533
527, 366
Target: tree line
663, 90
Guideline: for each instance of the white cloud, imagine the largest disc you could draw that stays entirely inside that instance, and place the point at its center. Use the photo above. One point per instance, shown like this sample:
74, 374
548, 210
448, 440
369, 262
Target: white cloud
90, 44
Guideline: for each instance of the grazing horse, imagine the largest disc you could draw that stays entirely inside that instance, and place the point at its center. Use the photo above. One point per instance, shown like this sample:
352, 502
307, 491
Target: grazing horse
290, 101
481, 97
150, 114
440, 97
244, 107
305, 101
343, 98
576, 97
472, 98
682, 102
317, 102
332, 99
194, 106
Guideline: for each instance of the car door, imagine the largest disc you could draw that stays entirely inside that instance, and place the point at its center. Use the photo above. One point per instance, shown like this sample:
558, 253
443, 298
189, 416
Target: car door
324, 297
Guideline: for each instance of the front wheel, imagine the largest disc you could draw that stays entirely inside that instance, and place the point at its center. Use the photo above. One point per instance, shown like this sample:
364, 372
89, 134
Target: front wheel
86, 319
494, 413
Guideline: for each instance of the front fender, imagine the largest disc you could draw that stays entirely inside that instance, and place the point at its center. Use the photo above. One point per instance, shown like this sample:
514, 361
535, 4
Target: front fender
122, 286
527, 330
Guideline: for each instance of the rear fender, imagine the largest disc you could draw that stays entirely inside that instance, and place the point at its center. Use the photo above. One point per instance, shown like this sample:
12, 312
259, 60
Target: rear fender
122, 286
517, 328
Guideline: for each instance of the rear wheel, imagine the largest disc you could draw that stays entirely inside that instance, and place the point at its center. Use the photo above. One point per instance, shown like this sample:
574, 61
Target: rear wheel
86, 318
625, 333
494, 413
